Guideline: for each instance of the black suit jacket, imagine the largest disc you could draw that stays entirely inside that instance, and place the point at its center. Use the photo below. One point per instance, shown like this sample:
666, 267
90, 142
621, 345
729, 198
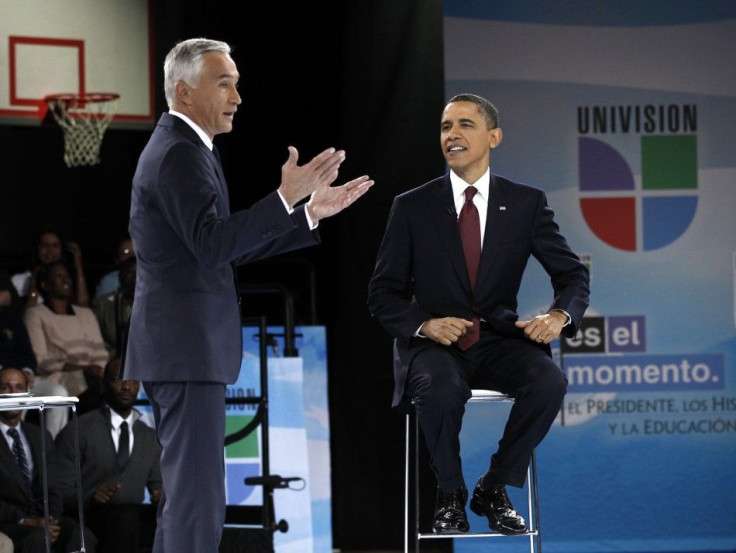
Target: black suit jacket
420, 270
14, 501
99, 462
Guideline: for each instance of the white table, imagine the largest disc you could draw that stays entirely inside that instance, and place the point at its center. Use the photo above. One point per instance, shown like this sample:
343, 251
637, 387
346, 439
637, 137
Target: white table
24, 402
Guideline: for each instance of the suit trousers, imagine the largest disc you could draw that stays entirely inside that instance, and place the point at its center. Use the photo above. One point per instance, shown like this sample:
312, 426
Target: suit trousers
439, 383
190, 425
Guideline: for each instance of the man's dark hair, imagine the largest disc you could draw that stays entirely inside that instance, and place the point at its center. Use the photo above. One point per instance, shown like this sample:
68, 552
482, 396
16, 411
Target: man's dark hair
487, 109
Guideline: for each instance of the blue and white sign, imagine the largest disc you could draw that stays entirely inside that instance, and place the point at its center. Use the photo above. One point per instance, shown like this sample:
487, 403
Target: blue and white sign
624, 114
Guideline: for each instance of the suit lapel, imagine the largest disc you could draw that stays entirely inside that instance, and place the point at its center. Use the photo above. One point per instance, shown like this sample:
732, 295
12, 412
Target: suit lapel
35, 444
444, 219
214, 156
497, 219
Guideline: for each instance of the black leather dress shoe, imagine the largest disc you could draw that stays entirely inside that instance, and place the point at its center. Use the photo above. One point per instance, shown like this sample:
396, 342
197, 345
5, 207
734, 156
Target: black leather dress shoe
495, 504
449, 512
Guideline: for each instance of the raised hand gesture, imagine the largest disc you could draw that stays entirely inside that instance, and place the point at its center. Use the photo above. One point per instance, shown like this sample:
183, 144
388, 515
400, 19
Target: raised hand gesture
298, 182
328, 200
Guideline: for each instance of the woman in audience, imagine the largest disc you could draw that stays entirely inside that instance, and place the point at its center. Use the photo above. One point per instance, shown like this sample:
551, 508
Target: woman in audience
49, 246
67, 342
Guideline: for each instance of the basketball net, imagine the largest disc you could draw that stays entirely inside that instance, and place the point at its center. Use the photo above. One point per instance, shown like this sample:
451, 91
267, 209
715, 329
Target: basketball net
83, 118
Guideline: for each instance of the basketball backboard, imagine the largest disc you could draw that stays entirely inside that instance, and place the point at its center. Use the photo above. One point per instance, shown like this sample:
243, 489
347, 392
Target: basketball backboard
77, 47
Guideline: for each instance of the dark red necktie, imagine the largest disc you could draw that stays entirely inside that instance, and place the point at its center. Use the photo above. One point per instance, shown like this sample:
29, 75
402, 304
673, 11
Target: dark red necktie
469, 222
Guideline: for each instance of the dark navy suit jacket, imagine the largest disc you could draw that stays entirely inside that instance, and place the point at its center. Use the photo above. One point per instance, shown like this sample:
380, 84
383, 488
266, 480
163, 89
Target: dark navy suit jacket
185, 324
15, 502
420, 269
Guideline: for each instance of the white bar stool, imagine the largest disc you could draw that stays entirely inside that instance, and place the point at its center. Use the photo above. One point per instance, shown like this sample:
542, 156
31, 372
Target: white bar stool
532, 514
26, 401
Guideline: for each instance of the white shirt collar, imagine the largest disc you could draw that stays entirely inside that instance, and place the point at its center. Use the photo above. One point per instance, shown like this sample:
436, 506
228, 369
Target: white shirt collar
483, 185
459, 185
116, 420
4, 428
197, 128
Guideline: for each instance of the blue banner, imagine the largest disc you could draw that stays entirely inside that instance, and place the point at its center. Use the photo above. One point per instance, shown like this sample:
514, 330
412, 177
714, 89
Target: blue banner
623, 113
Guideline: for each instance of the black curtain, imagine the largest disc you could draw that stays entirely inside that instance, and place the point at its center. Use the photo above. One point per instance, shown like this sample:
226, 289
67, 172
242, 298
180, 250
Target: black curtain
363, 76
392, 98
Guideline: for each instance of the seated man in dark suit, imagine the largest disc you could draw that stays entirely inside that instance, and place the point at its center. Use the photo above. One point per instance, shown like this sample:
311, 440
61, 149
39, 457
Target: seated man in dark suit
21, 484
120, 460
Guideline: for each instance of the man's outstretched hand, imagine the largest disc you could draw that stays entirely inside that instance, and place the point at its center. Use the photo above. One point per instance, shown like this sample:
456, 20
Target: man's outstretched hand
328, 200
314, 180
298, 182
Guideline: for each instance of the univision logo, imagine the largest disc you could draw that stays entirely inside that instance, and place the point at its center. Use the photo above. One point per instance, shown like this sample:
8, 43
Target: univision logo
651, 214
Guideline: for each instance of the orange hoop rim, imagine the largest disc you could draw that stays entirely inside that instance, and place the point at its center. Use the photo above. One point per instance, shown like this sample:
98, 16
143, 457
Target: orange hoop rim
87, 98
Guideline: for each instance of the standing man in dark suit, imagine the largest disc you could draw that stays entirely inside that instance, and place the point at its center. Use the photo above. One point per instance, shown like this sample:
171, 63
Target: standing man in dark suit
21, 482
450, 304
184, 343
119, 461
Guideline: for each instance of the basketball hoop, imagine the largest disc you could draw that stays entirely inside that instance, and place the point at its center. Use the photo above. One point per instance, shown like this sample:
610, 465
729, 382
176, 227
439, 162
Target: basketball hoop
83, 119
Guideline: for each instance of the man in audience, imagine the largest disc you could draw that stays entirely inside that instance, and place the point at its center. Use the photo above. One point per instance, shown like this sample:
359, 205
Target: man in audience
120, 460
113, 310
21, 482
110, 282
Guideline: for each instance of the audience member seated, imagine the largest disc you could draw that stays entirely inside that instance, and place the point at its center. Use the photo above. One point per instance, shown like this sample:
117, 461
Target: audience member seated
68, 345
110, 282
15, 346
49, 246
21, 482
113, 310
120, 460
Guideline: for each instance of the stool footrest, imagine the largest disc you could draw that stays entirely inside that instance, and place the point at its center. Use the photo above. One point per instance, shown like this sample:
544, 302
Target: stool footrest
433, 536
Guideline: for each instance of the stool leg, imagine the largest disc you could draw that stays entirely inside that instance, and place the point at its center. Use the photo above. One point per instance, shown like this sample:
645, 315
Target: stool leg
535, 492
80, 491
416, 483
45, 479
406, 486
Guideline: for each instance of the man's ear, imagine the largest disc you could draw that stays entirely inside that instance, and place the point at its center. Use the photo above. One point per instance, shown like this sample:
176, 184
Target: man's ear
183, 92
496, 136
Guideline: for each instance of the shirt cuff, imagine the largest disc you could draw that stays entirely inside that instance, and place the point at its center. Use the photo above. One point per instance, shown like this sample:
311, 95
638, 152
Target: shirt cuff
290, 210
312, 224
566, 314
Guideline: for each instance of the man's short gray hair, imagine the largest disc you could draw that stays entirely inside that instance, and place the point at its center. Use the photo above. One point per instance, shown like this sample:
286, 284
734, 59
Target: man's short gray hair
184, 63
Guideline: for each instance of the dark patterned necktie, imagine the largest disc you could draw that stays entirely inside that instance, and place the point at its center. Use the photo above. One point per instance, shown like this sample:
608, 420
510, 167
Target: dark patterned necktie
123, 446
469, 222
21, 460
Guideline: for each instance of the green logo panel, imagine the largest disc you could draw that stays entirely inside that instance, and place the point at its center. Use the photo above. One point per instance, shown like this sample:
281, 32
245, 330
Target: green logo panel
247, 446
669, 162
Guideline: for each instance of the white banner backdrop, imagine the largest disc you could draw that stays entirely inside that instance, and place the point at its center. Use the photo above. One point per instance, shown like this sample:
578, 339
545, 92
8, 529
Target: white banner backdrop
624, 114
299, 447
